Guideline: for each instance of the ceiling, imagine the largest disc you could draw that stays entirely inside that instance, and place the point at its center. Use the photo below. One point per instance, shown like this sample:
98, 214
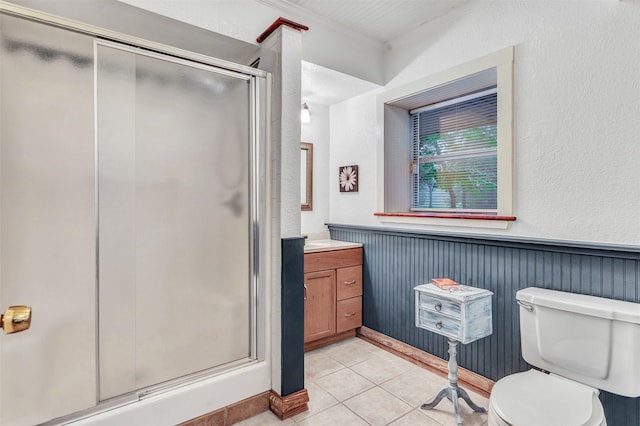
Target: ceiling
380, 20
325, 86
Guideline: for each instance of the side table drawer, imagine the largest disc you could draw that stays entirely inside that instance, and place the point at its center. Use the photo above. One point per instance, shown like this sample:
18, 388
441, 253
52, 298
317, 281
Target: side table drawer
439, 323
349, 282
348, 314
463, 315
439, 305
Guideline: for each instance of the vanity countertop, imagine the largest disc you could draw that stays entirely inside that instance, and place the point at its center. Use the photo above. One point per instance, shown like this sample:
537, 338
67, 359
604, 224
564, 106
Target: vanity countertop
313, 246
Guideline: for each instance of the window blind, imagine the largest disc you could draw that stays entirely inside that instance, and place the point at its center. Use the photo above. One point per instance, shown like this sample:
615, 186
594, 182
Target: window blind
455, 154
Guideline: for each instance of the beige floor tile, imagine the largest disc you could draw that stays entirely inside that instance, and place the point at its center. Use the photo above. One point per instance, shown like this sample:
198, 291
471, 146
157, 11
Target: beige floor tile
415, 418
443, 412
266, 418
351, 351
344, 384
318, 364
377, 406
415, 386
319, 400
338, 415
379, 369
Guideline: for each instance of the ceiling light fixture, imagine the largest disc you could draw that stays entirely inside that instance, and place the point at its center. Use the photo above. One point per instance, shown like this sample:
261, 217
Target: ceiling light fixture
305, 116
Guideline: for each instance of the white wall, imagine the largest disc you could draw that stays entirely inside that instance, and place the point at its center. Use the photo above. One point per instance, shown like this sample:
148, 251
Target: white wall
354, 141
246, 19
577, 103
317, 133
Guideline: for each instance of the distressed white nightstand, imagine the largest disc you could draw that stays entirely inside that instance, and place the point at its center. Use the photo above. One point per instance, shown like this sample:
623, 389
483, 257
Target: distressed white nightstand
463, 315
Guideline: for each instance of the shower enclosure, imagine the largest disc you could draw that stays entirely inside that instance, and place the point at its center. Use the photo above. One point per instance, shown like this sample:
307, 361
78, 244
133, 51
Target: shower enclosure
131, 219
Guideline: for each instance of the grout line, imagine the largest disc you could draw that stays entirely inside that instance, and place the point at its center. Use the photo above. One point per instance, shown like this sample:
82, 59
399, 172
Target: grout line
373, 352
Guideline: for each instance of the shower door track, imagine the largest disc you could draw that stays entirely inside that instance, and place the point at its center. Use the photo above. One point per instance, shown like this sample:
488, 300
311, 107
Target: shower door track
79, 27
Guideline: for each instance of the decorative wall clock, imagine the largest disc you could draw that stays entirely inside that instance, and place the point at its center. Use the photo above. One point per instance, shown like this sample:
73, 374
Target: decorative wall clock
349, 178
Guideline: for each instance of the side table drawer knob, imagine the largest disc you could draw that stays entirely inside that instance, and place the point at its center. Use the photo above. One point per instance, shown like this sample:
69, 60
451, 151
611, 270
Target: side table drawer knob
438, 306
439, 324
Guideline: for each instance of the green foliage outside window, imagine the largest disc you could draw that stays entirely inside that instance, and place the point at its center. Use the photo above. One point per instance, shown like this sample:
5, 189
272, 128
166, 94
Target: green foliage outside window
458, 169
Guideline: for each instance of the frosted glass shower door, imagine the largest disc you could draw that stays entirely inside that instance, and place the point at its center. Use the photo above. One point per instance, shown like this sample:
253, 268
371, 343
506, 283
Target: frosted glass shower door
47, 227
175, 222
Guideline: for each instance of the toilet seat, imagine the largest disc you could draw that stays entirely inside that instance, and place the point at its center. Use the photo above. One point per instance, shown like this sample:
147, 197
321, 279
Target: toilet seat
533, 398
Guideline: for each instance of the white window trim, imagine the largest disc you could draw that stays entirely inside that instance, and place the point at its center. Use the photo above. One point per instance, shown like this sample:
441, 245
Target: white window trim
502, 61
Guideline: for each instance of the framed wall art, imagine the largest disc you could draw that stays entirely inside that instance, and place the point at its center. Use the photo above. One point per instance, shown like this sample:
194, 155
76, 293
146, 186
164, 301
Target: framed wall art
349, 178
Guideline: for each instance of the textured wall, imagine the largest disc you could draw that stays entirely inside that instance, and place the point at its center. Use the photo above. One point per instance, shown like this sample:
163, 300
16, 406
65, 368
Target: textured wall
576, 109
395, 262
317, 133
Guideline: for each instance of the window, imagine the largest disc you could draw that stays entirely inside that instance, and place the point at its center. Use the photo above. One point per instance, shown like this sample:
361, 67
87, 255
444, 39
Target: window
446, 149
455, 154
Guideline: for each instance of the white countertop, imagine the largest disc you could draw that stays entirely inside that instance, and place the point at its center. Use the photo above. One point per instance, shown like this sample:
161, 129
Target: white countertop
312, 246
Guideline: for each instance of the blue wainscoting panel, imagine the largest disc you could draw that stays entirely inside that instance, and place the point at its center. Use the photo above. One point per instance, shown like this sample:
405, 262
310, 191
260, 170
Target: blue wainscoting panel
395, 261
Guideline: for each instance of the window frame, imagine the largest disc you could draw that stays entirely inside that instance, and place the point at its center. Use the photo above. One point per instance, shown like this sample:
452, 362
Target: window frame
395, 150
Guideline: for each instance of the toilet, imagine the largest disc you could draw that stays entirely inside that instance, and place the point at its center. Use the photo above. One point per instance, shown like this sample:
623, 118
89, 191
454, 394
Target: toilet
579, 345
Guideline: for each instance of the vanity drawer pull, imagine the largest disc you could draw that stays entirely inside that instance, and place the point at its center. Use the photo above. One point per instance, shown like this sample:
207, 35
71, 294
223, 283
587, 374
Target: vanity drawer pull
438, 306
350, 314
439, 324
352, 282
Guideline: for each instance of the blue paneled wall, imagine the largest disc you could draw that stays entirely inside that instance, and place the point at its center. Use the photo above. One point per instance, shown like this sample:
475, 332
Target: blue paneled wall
396, 261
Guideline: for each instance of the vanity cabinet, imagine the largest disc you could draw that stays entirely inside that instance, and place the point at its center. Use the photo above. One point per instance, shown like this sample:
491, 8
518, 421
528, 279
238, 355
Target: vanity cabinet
333, 295
319, 305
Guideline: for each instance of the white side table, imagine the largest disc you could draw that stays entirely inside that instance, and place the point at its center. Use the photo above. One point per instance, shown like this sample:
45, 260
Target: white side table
463, 315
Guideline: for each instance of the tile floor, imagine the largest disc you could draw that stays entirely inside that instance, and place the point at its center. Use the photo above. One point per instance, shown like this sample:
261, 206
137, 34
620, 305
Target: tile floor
353, 382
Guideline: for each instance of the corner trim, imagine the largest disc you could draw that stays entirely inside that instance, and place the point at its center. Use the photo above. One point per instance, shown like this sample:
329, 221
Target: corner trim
277, 23
290, 405
476, 382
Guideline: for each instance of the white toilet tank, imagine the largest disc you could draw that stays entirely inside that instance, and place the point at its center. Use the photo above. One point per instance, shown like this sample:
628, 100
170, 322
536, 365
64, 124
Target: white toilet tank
588, 339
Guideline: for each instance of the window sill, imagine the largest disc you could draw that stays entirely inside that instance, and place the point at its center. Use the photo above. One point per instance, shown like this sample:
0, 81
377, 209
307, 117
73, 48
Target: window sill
447, 219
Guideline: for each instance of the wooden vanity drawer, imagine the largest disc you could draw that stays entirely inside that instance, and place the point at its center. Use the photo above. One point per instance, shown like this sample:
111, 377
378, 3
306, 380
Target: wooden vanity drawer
348, 314
333, 259
349, 282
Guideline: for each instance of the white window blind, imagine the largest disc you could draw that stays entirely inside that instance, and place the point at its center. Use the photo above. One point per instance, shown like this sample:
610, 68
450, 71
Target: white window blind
455, 154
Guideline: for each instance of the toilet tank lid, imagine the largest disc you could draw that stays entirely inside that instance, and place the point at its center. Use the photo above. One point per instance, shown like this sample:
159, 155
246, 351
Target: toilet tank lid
580, 303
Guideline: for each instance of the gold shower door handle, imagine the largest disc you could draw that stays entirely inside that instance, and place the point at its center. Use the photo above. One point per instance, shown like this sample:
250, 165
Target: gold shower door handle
16, 319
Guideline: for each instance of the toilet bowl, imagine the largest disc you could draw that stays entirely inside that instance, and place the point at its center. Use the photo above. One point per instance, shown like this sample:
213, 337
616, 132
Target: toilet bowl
586, 343
533, 398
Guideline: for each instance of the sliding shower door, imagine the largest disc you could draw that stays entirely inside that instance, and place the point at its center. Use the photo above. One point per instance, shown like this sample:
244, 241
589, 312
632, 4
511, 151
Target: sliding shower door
175, 223
131, 206
47, 226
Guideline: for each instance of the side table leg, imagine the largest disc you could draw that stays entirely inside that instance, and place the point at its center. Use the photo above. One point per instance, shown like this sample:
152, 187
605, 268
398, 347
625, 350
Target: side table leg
429, 405
453, 379
453, 392
456, 407
465, 396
